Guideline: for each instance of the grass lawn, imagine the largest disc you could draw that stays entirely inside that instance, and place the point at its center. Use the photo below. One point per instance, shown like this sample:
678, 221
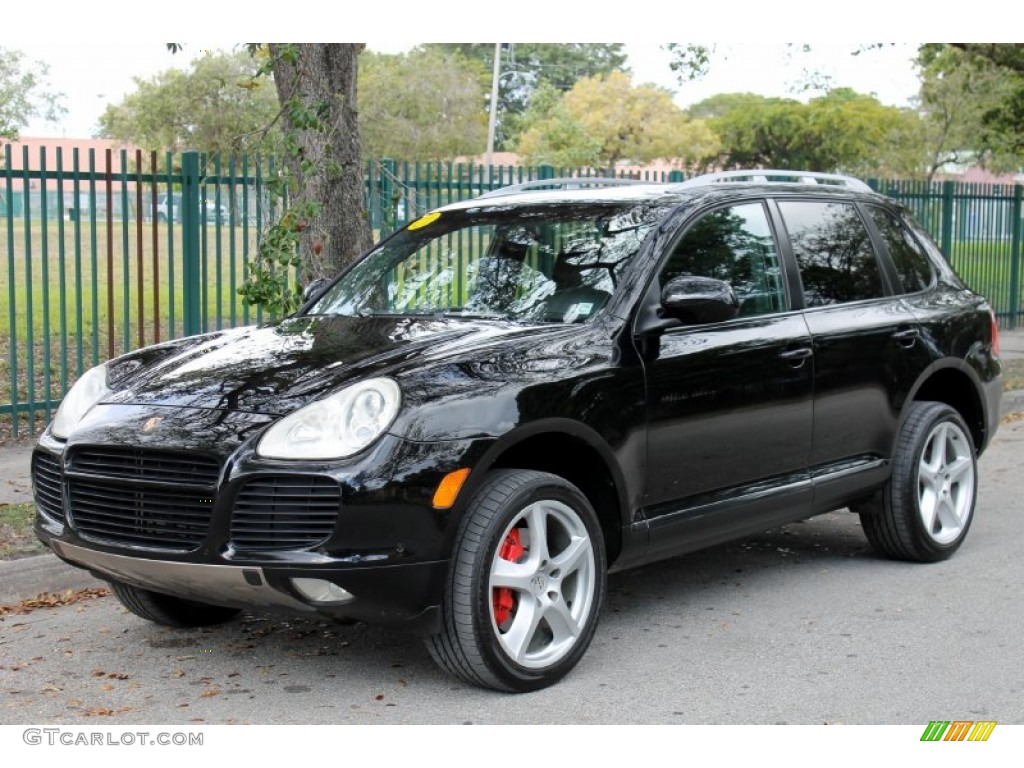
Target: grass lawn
987, 268
16, 536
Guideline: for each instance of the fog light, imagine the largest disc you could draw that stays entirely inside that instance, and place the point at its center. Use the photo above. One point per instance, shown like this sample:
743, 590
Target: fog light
321, 591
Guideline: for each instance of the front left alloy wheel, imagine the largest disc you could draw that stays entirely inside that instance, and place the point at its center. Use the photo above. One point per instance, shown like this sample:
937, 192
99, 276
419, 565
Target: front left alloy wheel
526, 584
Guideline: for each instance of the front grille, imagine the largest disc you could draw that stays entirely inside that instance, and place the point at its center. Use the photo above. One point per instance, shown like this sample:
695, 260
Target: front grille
175, 519
284, 512
143, 498
140, 464
46, 481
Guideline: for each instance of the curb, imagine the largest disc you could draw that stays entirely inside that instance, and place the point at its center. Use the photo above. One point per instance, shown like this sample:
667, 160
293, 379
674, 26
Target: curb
27, 577
1012, 401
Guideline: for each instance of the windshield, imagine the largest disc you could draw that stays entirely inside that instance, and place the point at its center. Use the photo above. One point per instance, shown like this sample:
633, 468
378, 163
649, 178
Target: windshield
553, 263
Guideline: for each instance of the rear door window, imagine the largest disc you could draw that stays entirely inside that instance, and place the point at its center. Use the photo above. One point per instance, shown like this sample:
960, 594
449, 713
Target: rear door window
833, 251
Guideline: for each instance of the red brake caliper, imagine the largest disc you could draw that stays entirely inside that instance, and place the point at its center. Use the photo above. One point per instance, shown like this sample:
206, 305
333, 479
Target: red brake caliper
504, 600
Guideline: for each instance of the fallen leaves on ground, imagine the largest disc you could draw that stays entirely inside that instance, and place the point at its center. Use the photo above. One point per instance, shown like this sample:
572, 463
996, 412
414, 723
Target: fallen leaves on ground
53, 600
106, 711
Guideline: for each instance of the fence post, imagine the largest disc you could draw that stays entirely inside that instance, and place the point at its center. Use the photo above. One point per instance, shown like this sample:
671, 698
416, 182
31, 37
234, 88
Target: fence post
1015, 255
947, 220
190, 273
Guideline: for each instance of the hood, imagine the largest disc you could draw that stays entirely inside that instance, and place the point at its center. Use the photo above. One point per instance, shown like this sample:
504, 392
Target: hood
274, 370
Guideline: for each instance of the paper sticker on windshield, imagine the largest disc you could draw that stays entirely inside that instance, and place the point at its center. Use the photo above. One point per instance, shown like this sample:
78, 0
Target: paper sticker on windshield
423, 221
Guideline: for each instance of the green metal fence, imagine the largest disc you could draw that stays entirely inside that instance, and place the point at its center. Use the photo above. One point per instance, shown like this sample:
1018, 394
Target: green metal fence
109, 252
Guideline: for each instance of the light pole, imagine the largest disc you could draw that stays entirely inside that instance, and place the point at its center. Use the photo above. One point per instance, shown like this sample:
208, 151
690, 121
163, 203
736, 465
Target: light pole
493, 119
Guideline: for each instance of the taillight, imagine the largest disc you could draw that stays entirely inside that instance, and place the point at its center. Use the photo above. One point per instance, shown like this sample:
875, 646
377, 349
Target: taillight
995, 333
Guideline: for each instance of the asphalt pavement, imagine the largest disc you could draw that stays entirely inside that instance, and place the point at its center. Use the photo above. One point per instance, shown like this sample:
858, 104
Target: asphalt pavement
27, 577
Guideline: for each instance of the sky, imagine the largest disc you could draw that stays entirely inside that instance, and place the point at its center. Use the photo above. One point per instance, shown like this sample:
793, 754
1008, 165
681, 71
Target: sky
749, 54
771, 69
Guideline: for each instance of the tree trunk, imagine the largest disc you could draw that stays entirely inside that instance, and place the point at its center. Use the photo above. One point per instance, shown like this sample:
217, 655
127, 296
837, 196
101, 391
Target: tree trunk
316, 86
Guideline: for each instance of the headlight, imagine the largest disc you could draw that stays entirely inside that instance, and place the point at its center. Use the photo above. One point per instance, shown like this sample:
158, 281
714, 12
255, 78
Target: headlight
90, 388
337, 426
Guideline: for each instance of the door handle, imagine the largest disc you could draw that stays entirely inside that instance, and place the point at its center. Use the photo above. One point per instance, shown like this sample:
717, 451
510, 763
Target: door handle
794, 355
906, 336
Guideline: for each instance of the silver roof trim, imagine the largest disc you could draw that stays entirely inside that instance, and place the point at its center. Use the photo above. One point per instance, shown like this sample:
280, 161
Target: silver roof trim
776, 176
567, 182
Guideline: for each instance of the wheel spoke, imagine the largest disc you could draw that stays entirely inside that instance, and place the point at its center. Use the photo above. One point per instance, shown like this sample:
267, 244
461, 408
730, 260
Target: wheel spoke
524, 627
935, 450
560, 619
573, 557
927, 475
927, 503
537, 524
948, 515
961, 470
505, 573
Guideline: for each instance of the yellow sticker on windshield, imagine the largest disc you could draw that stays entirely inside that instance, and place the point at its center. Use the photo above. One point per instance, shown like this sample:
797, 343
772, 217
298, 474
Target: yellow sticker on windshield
422, 221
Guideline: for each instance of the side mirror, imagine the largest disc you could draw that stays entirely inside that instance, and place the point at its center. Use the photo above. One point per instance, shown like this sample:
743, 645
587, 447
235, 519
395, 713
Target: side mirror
314, 288
696, 300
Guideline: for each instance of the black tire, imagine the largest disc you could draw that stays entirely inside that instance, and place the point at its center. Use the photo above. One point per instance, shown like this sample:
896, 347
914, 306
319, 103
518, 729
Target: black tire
925, 510
489, 636
170, 611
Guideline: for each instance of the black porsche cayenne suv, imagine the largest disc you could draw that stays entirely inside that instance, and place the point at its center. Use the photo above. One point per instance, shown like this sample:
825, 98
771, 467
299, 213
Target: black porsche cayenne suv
517, 394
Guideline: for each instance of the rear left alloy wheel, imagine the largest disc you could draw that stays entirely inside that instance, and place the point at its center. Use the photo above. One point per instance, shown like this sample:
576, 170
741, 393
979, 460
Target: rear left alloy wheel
526, 584
927, 506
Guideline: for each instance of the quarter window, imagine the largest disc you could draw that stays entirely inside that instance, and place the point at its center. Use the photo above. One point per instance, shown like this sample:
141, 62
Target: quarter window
735, 245
833, 250
909, 258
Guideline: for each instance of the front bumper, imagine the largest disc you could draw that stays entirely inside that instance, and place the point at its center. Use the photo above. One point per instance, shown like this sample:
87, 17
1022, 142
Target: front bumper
393, 595
386, 546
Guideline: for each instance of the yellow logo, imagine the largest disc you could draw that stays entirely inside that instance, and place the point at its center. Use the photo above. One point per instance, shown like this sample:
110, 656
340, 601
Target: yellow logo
422, 221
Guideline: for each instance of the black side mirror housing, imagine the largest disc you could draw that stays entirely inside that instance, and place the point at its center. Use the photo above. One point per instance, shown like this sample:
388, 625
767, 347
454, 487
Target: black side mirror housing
698, 300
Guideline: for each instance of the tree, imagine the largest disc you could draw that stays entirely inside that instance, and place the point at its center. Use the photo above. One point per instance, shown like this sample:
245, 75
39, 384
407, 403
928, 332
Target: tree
423, 105
525, 67
555, 136
690, 61
316, 88
24, 93
972, 99
605, 119
855, 133
841, 131
1009, 56
215, 106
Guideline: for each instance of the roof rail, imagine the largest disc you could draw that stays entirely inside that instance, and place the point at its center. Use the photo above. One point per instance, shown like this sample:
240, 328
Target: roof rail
778, 177
567, 182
